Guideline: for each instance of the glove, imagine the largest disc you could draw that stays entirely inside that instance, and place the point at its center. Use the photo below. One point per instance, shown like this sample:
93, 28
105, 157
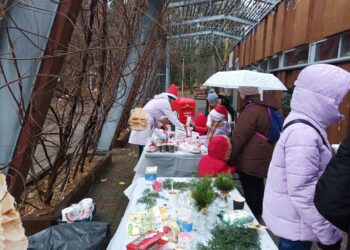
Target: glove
335, 246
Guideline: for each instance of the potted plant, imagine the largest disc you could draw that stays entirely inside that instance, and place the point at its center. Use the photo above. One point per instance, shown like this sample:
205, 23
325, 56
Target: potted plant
203, 195
224, 183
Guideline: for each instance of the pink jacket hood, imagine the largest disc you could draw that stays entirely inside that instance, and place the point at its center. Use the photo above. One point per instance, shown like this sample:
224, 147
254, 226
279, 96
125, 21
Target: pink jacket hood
300, 157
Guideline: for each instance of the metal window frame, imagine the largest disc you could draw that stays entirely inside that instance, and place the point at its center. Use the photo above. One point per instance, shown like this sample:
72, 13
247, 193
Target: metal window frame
269, 61
215, 18
288, 51
312, 55
195, 2
205, 33
341, 43
314, 46
189, 2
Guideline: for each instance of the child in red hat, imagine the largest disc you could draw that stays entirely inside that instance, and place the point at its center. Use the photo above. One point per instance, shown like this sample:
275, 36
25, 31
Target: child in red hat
219, 150
219, 124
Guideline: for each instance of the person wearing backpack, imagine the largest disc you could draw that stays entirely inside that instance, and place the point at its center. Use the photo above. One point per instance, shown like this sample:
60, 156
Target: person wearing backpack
157, 107
251, 150
301, 156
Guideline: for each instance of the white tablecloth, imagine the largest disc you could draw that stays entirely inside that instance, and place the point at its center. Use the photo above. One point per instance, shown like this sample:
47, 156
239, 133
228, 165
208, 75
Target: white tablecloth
134, 192
178, 164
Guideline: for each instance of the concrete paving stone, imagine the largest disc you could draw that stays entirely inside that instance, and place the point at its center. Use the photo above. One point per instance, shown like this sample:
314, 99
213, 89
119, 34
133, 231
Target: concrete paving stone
109, 195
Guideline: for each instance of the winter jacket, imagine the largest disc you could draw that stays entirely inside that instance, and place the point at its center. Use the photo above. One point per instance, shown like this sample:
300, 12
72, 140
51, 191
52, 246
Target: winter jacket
250, 153
214, 163
300, 157
224, 129
200, 122
332, 197
155, 108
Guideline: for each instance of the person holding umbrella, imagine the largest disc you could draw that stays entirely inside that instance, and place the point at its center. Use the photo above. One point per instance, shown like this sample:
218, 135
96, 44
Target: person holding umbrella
251, 152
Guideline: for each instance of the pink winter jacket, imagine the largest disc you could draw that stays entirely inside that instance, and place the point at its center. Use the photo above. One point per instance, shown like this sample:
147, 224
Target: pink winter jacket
300, 157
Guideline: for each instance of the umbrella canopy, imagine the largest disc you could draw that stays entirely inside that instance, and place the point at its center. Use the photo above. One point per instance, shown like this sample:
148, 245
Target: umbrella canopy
244, 78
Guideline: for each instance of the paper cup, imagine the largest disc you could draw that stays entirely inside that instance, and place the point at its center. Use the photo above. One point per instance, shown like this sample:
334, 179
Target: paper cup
185, 240
70, 214
164, 148
88, 207
151, 173
171, 148
172, 196
238, 203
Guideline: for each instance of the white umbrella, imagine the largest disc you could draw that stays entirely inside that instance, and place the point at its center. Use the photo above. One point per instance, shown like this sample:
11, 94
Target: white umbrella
244, 78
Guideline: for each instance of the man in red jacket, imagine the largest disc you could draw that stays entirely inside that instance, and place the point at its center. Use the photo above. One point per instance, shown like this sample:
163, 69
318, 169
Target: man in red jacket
219, 150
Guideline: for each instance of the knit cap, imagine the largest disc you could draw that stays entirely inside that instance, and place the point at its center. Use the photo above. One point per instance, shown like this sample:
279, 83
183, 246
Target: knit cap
212, 96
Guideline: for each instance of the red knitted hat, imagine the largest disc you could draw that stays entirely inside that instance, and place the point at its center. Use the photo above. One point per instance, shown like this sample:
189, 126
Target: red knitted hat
219, 113
172, 91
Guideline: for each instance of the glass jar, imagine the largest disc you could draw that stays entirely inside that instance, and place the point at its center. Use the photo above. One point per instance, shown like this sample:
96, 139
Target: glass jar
212, 216
202, 220
223, 201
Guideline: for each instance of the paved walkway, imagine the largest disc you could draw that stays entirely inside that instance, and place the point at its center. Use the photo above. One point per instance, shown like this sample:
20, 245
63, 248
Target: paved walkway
108, 191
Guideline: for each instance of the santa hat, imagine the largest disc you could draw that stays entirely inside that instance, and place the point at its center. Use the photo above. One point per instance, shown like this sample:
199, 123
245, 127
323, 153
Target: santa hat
172, 91
219, 113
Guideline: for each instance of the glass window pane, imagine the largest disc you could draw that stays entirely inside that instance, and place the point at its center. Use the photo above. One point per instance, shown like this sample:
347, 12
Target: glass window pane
345, 48
327, 49
263, 65
274, 62
297, 56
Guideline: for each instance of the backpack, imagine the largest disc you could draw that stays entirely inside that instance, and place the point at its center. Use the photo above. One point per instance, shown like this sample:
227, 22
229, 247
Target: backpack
276, 125
138, 120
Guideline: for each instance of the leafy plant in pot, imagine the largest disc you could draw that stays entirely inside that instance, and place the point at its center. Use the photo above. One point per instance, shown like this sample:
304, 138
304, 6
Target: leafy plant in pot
224, 183
203, 195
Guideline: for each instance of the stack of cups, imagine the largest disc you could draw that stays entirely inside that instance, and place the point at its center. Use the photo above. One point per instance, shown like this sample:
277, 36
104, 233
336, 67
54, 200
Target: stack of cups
88, 208
72, 213
151, 173
80, 211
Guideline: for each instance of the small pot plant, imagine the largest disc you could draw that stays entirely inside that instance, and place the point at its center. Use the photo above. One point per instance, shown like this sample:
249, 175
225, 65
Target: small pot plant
203, 195
224, 183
